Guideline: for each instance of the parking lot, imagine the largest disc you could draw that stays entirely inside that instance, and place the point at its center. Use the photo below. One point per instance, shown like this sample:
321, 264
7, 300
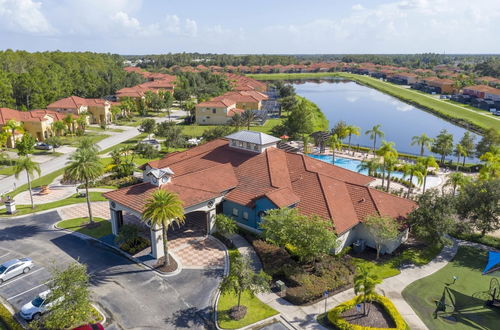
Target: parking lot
131, 297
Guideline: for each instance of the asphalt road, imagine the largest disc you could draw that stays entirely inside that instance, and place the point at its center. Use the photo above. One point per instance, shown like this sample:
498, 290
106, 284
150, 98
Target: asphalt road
130, 296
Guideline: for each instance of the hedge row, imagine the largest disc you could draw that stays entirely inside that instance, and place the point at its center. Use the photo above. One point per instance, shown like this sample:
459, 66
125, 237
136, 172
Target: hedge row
7, 319
334, 315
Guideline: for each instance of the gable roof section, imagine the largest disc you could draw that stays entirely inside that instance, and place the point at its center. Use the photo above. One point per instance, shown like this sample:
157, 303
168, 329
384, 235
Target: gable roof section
253, 137
28, 116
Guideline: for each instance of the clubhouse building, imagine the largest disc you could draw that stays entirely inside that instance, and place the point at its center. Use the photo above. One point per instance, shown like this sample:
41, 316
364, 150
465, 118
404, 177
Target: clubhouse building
245, 174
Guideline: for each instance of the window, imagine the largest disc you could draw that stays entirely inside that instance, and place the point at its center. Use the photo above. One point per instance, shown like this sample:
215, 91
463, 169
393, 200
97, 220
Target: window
214, 110
233, 142
240, 144
256, 147
245, 215
249, 146
235, 211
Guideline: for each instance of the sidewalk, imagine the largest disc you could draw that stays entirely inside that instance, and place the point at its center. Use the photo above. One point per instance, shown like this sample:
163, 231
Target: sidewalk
304, 317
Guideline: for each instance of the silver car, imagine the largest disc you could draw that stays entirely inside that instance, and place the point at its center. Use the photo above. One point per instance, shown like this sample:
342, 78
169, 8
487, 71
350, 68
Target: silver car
15, 267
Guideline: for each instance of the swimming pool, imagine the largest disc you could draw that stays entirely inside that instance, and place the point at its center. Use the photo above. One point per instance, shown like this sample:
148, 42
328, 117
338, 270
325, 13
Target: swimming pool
352, 165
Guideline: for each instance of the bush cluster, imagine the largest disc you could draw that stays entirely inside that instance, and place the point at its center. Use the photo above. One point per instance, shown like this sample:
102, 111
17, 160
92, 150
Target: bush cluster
304, 285
120, 182
7, 319
129, 239
335, 318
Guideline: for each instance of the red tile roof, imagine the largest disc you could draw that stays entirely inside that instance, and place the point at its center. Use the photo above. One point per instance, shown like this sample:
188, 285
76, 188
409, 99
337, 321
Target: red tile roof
74, 102
28, 116
315, 187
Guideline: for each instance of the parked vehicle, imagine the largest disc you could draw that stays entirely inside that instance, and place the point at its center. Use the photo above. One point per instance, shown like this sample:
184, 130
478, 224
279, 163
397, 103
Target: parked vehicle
155, 143
15, 267
96, 326
35, 308
43, 146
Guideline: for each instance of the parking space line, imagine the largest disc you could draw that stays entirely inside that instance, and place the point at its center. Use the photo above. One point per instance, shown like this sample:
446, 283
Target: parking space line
3, 255
20, 277
33, 288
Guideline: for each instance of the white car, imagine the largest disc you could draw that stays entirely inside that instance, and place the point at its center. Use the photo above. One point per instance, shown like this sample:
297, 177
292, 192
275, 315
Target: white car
152, 142
15, 267
35, 308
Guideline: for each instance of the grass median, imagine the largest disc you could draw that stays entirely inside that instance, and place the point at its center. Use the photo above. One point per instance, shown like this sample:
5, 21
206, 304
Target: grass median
102, 227
75, 199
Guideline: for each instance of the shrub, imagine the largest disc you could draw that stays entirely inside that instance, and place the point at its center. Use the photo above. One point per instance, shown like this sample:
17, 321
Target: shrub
7, 319
335, 318
275, 260
146, 150
129, 240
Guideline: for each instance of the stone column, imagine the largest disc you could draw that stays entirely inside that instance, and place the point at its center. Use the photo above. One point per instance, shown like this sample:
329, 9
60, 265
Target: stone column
116, 221
156, 242
210, 218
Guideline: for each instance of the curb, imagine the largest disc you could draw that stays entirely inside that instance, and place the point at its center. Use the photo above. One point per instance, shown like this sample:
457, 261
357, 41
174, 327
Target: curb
22, 323
128, 256
101, 313
45, 211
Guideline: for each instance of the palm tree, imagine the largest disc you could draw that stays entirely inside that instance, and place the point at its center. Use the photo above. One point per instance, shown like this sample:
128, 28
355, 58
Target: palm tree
491, 166
350, 130
412, 170
423, 141
12, 126
426, 163
305, 140
82, 121
69, 121
456, 179
248, 117
371, 165
59, 127
236, 121
84, 166
87, 143
386, 150
460, 151
374, 133
24, 163
163, 209
364, 284
334, 143
390, 161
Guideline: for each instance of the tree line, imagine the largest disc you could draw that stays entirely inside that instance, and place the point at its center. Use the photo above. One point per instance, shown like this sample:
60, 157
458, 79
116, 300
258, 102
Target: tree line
34, 80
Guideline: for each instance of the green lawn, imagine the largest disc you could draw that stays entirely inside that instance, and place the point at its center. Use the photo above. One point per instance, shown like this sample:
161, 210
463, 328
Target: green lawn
391, 267
73, 140
7, 170
468, 117
26, 209
98, 129
256, 309
79, 225
467, 294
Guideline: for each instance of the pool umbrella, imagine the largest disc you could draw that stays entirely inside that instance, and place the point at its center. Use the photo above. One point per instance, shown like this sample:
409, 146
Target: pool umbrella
493, 265
284, 137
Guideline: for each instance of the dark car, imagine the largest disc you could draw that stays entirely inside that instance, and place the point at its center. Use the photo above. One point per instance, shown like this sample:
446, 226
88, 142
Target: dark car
43, 146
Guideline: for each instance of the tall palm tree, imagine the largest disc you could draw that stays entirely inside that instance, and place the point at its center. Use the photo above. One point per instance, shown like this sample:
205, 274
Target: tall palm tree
460, 151
12, 126
350, 130
426, 163
87, 143
305, 140
163, 209
334, 143
236, 121
24, 163
423, 141
59, 127
375, 132
248, 117
388, 151
391, 160
456, 180
81, 121
365, 282
84, 166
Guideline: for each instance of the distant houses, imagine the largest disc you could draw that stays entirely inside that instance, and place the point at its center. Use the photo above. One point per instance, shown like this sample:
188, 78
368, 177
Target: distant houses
97, 109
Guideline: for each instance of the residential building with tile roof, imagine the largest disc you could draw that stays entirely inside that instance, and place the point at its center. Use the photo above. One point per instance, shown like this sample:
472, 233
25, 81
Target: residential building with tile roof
99, 110
248, 175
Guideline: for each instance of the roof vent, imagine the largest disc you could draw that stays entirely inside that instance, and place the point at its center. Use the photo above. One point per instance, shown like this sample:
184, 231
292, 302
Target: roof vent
362, 200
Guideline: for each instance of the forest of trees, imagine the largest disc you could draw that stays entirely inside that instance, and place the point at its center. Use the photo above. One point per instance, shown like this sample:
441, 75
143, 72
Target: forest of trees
34, 80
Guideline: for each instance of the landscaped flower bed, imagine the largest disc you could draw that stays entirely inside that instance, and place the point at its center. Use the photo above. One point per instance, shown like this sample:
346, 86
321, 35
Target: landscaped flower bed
336, 320
305, 283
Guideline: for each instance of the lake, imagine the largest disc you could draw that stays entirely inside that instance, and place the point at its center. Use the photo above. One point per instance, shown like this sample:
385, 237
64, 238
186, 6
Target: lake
365, 107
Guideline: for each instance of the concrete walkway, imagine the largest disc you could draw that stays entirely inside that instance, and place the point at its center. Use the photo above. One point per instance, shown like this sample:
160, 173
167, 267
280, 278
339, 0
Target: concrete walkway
304, 317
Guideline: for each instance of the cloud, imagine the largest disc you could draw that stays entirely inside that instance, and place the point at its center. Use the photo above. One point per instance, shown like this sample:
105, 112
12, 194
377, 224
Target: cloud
174, 25
125, 21
358, 6
24, 16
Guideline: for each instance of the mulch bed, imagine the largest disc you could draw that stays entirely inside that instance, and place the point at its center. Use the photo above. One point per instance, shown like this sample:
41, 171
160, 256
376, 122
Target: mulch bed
166, 269
237, 313
376, 318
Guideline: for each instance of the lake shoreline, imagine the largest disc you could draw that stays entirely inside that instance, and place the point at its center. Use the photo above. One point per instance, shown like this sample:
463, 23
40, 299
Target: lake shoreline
411, 99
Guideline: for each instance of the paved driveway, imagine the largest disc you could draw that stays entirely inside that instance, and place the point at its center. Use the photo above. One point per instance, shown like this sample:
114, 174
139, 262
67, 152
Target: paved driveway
130, 296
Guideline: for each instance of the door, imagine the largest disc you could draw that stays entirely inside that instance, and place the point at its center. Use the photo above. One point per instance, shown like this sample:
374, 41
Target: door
13, 271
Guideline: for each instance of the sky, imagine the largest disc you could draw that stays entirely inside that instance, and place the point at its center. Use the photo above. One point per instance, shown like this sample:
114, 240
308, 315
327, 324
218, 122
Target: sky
252, 27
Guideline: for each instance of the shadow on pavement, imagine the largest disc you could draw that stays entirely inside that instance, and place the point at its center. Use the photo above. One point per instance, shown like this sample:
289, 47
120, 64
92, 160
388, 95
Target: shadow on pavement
19, 232
190, 318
